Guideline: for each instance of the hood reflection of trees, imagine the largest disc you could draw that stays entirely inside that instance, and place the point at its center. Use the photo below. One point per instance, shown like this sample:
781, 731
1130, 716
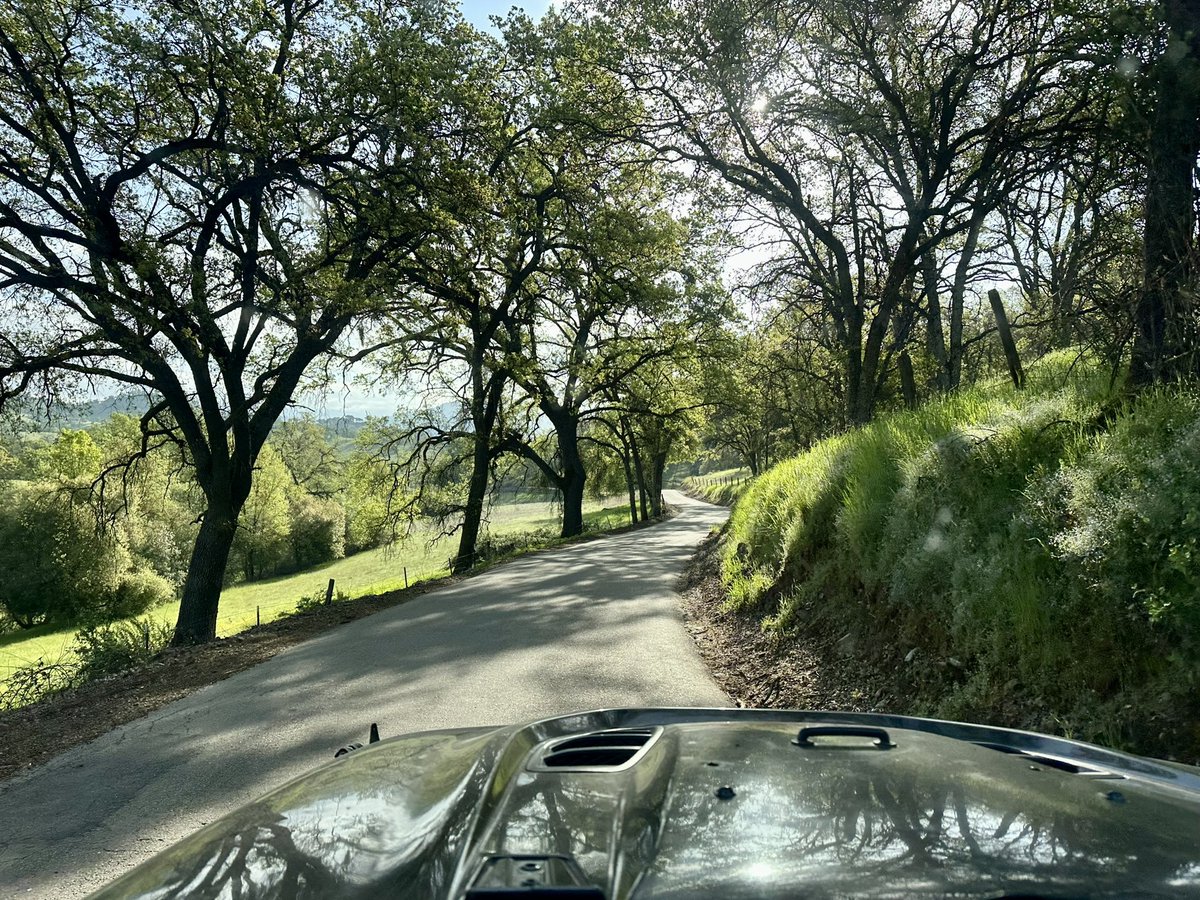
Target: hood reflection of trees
259, 860
832, 824
838, 826
403, 838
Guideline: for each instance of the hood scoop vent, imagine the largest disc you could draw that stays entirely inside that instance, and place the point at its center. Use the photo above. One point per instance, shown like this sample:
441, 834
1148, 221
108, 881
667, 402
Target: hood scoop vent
1053, 762
601, 751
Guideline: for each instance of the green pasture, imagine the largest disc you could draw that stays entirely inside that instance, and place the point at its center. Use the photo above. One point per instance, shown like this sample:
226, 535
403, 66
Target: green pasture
721, 487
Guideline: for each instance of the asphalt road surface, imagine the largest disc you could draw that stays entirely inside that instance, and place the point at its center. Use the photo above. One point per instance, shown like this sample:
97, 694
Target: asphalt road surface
593, 625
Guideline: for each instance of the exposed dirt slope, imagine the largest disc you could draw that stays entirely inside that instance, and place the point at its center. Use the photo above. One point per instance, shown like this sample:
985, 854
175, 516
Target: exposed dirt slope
757, 668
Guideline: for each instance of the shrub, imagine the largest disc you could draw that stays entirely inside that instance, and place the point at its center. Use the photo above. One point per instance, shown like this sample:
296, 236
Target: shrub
318, 531
136, 593
56, 566
316, 600
37, 681
118, 646
260, 544
161, 532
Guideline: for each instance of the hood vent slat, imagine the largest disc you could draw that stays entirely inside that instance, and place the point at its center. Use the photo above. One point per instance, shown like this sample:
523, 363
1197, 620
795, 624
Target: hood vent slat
601, 751
1053, 762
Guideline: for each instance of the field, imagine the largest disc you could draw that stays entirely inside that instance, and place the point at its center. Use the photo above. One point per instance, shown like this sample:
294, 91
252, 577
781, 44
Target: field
420, 557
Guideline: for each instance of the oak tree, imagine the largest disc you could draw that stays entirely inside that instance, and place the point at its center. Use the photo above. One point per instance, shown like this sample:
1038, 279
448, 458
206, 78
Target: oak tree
195, 201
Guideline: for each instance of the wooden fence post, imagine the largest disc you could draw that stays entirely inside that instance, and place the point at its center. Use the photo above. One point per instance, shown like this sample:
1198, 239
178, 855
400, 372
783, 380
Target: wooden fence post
1006, 339
908, 382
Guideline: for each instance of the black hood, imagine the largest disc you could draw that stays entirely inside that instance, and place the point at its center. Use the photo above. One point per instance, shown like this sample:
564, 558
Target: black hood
705, 803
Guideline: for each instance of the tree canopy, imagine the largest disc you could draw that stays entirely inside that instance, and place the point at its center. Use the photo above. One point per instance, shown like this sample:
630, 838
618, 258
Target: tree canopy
214, 204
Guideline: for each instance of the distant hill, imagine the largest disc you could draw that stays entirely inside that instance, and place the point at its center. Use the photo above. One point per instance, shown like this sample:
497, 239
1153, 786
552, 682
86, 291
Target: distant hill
29, 417
342, 426
35, 417
94, 411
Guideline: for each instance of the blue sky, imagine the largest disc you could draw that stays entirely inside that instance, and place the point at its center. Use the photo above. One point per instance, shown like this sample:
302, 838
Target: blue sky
477, 11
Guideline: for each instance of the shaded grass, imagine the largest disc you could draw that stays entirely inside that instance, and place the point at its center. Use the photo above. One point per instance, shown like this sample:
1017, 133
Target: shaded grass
520, 527
1027, 558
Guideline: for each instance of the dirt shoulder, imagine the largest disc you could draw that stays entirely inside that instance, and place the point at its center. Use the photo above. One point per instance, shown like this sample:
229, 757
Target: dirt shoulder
759, 668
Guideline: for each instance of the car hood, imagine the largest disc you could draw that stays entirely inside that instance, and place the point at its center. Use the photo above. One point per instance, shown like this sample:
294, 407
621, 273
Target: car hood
705, 803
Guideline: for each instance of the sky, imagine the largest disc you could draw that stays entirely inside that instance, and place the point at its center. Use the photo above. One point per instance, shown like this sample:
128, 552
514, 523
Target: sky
477, 12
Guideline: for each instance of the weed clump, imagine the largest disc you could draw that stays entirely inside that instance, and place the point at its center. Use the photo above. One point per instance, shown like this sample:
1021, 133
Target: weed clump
114, 647
100, 649
316, 600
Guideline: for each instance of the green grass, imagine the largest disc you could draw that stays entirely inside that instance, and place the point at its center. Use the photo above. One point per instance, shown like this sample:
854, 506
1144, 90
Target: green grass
19, 648
723, 487
371, 572
1047, 541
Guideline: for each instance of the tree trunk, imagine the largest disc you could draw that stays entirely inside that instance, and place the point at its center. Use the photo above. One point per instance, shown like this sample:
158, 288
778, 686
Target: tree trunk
1162, 345
656, 497
935, 336
625, 436
640, 471
890, 298
473, 513
958, 296
627, 467
631, 487
854, 383
197, 622
485, 408
573, 474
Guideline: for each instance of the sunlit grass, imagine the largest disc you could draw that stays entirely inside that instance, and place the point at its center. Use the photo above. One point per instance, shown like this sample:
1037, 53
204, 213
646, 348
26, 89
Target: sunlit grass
1039, 547
422, 556
721, 487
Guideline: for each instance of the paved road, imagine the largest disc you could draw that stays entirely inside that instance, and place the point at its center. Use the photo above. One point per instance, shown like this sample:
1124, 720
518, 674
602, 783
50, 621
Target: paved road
589, 626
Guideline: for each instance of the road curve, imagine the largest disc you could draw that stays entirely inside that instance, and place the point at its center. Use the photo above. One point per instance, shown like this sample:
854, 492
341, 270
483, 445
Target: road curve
588, 626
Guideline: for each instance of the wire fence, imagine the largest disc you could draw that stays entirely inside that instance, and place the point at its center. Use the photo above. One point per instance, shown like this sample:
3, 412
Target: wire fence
717, 481
233, 623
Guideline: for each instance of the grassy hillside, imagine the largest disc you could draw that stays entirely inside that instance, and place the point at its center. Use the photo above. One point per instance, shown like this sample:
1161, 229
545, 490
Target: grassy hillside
1027, 558
721, 487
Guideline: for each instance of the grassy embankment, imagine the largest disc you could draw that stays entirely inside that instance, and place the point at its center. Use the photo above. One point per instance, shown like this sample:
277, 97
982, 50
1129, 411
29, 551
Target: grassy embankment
722, 488
1022, 558
371, 572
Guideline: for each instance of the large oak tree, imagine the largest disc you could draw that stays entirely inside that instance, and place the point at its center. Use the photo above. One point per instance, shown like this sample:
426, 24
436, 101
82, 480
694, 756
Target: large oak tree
872, 136
195, 199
